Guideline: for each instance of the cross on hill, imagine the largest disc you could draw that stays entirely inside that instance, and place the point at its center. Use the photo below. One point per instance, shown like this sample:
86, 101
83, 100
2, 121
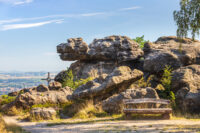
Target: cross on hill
48, 79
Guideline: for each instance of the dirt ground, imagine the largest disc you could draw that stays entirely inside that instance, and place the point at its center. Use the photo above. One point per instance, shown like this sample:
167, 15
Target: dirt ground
122, 126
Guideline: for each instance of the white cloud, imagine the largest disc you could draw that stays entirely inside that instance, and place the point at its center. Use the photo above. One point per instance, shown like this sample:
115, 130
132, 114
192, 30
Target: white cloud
61, 16
16, 2
92, 14
8, 24
29, 25
10, 21
22, 2
130, 8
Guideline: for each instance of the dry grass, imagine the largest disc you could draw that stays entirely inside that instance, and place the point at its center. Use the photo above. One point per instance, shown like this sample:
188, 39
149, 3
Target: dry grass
178, 116
83, 110
15, 129
2, 126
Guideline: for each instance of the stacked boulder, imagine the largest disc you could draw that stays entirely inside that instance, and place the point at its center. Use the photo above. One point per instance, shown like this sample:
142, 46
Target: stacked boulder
183, 56
114, 63
102, 56
170, 51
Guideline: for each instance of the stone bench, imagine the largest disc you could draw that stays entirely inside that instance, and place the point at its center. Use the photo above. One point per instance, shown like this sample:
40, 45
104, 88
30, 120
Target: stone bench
158, 106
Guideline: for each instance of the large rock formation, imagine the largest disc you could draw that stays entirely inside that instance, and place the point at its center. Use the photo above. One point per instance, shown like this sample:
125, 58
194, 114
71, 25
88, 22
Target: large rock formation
118, 48
120, 79
114, 104
102, 56
170, 51
186, 84
115, 64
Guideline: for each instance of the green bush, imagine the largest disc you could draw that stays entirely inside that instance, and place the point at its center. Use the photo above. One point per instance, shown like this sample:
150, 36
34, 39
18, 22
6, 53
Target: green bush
5, 99
142, 83
141, 41
69, 80
167, 93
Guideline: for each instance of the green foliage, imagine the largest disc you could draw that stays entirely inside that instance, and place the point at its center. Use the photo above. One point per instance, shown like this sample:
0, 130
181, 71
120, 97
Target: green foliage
69, 80
166, 83
142, 83
188, 18
140, 40
5, 99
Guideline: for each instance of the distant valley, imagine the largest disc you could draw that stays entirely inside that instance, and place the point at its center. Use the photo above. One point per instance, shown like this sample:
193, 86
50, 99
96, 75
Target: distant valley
14, 81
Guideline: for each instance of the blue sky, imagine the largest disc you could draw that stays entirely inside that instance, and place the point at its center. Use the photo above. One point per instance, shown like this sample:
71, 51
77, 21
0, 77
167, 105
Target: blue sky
30, 30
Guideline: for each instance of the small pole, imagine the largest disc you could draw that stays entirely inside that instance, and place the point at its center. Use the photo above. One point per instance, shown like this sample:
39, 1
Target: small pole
48, 79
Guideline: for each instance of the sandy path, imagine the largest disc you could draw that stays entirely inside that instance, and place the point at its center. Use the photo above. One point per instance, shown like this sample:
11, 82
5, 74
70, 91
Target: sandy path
131, 126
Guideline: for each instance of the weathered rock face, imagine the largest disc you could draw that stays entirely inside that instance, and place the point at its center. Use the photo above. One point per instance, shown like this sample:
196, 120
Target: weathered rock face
114, 104
117, 48
42, 88
120, 79
33, 97
85, 69
102, 56
186, 84
74, 49
43, 114
169, 51
55, 86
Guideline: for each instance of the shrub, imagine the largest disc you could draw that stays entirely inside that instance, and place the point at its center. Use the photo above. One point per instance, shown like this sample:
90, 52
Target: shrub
69, 80
140, 40
5, 99
142, 83
167, 93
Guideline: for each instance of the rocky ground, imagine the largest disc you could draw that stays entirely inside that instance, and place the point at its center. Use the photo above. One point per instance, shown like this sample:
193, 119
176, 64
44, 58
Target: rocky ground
128, 126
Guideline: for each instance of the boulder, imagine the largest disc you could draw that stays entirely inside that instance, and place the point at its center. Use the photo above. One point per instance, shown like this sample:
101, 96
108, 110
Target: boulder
55, 86
170, 51
42, 88
104, 86
42, 114
118, 48
85, 69
115, 48
114, 104
13, 94
186, 84
74, 49
34, 97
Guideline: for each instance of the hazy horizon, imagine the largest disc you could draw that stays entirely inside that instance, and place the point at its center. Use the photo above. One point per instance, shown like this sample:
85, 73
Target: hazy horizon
31, 30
